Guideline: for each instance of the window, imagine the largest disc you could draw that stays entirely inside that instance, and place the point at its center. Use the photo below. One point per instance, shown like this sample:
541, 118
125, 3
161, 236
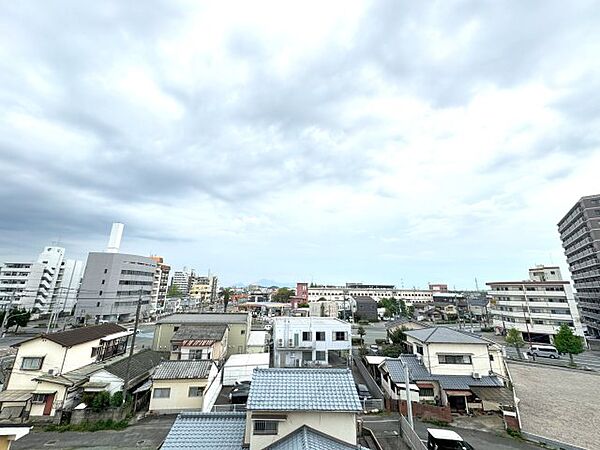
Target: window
103, 281
320, 336
426, 392
162, 393
306, 336
38, 398
94, 351
105, 270
175, 328
340, 336
97, 304
265, 427
320, 355
32, 363
491, 357
243, 332
100, 293
454, 359
419, 349
195, 391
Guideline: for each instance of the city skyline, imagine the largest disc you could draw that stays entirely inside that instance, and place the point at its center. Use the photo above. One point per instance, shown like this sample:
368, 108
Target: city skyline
405, 145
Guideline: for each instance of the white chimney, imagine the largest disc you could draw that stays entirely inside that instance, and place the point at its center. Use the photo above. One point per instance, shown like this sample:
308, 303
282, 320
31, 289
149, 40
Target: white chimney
114, 242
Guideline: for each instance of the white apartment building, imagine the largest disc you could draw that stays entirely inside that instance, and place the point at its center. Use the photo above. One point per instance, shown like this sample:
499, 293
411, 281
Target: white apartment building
48, 285
536, 307
181, 279
204, 289
158, 296
310, 341
340, 294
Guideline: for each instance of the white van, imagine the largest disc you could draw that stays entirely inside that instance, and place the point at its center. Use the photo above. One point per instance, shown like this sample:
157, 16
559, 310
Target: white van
545, 351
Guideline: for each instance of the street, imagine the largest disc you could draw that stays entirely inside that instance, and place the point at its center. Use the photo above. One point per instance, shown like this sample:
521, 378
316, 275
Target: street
589, 359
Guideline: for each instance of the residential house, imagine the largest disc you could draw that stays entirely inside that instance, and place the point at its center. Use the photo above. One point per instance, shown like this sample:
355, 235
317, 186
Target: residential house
239, 325
55, 354
200, 342
241, 367
282, 401
365, 308
310, 341
207, 431
180, 385
323, 308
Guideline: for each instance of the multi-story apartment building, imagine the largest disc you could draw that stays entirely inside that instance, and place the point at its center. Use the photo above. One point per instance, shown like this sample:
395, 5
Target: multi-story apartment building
580, 235
158, 297
113, 284
377, 291
48, 285
204, 289
310, 341
181, 279
536, 307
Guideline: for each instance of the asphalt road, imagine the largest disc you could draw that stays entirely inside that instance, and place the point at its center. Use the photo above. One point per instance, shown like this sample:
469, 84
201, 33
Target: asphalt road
589, 359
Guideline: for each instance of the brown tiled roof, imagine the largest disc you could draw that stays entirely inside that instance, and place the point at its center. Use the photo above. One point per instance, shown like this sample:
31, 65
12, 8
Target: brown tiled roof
76, 336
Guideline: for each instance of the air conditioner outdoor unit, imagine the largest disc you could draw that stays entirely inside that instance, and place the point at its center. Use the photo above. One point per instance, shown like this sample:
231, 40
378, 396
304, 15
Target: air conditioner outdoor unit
477, 375
290, 342
50, 371
280, 342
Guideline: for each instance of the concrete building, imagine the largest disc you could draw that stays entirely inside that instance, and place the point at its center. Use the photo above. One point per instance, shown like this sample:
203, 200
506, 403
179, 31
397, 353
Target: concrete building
364, 308
204, 289
46, 286
238, 324
536, 307
310, 341
580, 235
158, 297
340, 294
323, 308
200, 342
113, 284
181, 279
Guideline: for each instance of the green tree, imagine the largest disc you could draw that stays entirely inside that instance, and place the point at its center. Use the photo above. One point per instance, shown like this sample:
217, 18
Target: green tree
392, 351
403, 309
514, 338
226, 295
361, 332
16, 316
282, 295
174, 291
390, 305
566, 342
397, 336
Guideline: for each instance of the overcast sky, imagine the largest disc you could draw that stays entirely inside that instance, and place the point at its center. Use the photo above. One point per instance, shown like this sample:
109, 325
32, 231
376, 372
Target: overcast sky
397, 142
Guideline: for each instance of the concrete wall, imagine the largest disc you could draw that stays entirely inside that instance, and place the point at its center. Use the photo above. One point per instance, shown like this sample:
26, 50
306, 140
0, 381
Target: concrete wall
340, 425
179, 399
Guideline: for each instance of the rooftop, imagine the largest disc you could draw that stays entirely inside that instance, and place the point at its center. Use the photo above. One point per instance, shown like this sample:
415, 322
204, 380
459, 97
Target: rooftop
76, 336
444, 335
303, 390
201, 318
307, 438
257, 338
200, 332
248, 359
310, 320
141, 364
206, 431
181, 370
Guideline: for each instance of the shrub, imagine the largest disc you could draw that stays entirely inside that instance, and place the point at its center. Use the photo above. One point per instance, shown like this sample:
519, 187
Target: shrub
90, 426
101, 401
514, 433
117, 399
381, 341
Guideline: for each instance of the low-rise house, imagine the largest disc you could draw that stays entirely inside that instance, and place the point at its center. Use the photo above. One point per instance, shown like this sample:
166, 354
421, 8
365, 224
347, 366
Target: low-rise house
282, 401
365, 308
200, 342
207, 431
241, 367
323, 308
53, 355
180, 385
238, 324
446, 351
310, 341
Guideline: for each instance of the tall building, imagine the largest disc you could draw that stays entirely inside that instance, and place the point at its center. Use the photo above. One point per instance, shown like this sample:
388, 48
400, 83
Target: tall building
181, 279
536, 307
204, 289
580, 234
48, 285
113, 283
159, 285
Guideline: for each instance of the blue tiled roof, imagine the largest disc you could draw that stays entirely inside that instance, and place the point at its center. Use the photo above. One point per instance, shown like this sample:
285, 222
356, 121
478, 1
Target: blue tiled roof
307, 438
207, 431
303, 390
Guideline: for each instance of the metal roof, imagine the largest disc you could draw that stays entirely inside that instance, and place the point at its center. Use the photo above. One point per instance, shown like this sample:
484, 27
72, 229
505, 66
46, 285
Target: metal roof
207, 431
200, 318
303, 390
417, 371
447, 435
181, 370
15, 395
501, 395
307, 438
142, 364
200, 332
444, 335
465, 382
77, 336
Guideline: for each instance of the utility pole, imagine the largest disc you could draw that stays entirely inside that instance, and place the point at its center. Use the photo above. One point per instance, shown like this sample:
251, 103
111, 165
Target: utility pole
6, 312
408, 400
135, 328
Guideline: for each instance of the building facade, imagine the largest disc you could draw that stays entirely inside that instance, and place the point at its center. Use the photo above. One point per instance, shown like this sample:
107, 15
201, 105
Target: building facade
46, 286
310, 341
580, 235
160, 285
536, 307
181, 279
377, 291
112, 285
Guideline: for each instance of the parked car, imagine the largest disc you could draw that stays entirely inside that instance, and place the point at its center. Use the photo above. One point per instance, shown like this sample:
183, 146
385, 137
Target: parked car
363, 391
131, 329
239, 395
242, 382
374, 348
545, 351
439, 439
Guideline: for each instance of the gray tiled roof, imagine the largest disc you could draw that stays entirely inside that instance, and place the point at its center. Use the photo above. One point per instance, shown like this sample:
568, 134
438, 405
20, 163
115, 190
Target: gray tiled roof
307, 438
445, 335
207, 431
181, 370
201, 332
142, 364
205, 318
417, 371
464, 382
303, 390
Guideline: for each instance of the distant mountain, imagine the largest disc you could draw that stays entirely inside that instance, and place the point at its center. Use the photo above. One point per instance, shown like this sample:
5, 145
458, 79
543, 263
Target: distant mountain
266, 283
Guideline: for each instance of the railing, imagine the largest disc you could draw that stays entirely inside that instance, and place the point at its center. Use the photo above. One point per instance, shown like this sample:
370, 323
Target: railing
372, 404
410, 436
229, 408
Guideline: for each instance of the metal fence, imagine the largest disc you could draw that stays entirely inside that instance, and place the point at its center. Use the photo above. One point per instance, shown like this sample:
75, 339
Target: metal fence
410, 436
229, 408
371, 404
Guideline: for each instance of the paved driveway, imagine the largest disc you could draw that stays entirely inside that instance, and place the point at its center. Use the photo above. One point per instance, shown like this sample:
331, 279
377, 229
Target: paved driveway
145, 435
